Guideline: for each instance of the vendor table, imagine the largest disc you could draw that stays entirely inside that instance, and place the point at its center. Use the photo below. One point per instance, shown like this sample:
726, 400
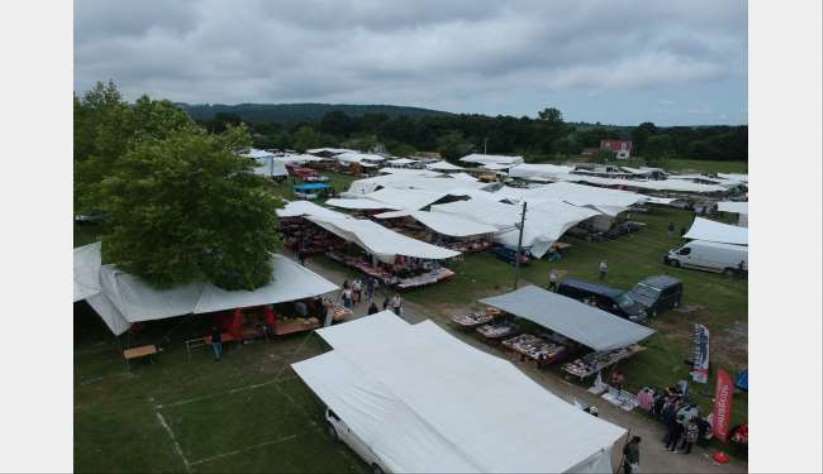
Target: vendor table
498, 330
475, 318
535, 348
284, 327
139, 352
594, 362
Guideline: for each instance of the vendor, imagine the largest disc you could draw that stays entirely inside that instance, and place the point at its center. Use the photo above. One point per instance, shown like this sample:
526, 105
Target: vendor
617, 379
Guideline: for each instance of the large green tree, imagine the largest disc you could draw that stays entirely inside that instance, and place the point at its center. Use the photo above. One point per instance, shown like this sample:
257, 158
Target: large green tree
187, 208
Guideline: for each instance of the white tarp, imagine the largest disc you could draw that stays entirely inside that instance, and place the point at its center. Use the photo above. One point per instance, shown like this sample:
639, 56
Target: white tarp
308, 208
123, 299
270, 167
360, 204
411, 172
402, 181
673, 185
489, 159
444, 166
442, 403
713, 231
464, 177
734, 207
383, 243
396, 199
334, 151
355, 157
298, 158
539, 171
496, 166
257, 154
451, 225
290, 282
546, 222
87, 261
608, 201
401, 162
590, 326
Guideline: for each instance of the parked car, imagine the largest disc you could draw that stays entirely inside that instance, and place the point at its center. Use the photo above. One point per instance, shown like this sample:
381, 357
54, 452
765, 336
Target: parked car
623, 228
508, 255
609, 299
339, 430
658, 294
710, 256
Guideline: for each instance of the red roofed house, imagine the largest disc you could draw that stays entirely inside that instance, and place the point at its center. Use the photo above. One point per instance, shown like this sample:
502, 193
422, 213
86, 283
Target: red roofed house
621, 148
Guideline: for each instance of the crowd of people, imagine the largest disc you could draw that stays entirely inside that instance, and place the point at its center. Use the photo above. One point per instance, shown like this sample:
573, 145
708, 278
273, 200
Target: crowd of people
357, 290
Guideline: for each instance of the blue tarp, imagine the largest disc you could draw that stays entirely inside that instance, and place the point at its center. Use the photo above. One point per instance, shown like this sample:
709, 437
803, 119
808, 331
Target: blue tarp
743, 380
310, 187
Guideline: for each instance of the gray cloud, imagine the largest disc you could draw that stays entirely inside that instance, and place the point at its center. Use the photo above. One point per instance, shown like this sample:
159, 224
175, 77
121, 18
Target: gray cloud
466, 56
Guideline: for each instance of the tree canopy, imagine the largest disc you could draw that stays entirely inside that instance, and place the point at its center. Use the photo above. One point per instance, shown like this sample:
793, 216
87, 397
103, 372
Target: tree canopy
181, 204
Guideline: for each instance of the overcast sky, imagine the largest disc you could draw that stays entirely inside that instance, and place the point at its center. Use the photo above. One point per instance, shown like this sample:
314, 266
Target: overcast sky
621, 62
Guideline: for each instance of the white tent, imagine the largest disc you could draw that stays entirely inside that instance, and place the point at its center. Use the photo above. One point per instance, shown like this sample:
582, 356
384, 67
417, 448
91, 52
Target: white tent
444, 166
401, 162
298, 158
608, 201
497, 166
257, 154
545, 223
383, 243
330, 151
578, 321
713, 231
362, 158
411, 172
733, 207
539, 171
488, 159
396, 199
87, 261
451, 225
402, 181
360, 204
464, 177
270, 167
424, 401
124, 299
307, 208
673, 185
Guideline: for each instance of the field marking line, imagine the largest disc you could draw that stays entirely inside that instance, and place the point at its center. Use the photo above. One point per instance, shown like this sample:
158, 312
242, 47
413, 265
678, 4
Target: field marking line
174, 440
242, 450
220, 394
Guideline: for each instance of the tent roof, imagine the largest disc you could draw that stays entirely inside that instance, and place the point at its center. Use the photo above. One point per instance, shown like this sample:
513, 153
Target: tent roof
449, 403
444, 166
486, 159
733, 207
705, 229
363, 203
674, 185
464, 177
87, 261
381, 242
580, 322
411, 172
405, 181
256, 153
356, 157
445, 224
539, 171
401, 161
123, 298
307, 208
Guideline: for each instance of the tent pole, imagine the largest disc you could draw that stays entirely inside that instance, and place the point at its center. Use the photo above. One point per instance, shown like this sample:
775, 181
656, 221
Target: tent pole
519, 246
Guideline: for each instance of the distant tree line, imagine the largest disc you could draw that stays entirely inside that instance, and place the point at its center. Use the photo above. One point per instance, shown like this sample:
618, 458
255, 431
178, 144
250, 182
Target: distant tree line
547, 137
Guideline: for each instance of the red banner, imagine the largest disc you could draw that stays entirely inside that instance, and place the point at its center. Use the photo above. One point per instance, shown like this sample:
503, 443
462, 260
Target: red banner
722, 415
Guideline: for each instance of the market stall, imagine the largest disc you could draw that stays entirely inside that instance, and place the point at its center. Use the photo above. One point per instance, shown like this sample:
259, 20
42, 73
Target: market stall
475, 318
610, 337
540, 350
453, 232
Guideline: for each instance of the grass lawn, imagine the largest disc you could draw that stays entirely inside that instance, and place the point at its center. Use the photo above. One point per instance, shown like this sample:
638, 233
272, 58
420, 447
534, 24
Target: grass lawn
247, 413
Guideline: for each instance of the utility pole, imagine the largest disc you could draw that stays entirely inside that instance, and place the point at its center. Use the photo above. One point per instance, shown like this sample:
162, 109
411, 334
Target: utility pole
519, 246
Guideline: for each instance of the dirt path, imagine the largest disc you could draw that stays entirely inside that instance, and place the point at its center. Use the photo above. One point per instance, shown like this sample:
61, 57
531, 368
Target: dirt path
653, 456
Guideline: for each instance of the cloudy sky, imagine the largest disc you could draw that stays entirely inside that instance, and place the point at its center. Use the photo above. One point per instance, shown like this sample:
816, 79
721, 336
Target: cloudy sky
623, 62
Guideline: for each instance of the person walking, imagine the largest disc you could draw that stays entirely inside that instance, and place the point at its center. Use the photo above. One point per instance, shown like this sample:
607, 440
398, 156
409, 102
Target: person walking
631, 456
346, 296
553, 280
671, 229
373, 308
397, 305
386, 302
604, 269
216, 343
371, 283
301, 256
676, 433
357, 291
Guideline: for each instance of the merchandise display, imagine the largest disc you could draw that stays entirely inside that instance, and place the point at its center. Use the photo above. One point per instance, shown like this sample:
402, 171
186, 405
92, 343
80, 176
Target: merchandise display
498, 330
594, 362
535, 347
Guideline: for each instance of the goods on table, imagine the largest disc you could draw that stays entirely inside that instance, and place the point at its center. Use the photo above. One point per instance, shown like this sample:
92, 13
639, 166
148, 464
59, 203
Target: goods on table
534, 347
498, 329
596, 361
425, 279
473, 319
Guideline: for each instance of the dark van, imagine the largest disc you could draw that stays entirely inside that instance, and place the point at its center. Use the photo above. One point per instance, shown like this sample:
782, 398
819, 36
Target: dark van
606, 298
658, 294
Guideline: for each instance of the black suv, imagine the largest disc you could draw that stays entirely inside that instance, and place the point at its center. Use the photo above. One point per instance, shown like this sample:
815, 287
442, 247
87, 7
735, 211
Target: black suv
606, 298
658, 294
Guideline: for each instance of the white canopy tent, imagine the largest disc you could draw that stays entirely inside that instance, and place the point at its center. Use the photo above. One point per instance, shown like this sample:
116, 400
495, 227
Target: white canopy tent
383, 243
444, 166
713, 231
497, 166
87, 262
360, 204
608, 201
330, 151
545, 222
464, 177
396, 199
489, 159
590, 326
411, 172
401, 162
526, 171
451, 225
673, 185
124, 299
356, 157
734, 207
266, 163
402, 181
424, 401
307, 208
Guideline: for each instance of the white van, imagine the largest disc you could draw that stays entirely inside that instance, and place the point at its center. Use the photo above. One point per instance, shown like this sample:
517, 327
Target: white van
339, 430
710, 256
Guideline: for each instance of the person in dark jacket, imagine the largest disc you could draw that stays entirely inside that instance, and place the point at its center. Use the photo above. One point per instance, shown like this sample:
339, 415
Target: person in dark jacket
373, 308
216, 343
631, 455
676, 431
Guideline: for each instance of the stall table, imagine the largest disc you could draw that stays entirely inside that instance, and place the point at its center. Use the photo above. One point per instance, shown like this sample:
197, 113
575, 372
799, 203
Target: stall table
290, 326
536, 348
594, 362
140, 352
498, 330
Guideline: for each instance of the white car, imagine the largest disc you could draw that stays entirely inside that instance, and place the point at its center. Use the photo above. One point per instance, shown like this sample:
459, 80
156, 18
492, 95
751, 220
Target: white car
339, 430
